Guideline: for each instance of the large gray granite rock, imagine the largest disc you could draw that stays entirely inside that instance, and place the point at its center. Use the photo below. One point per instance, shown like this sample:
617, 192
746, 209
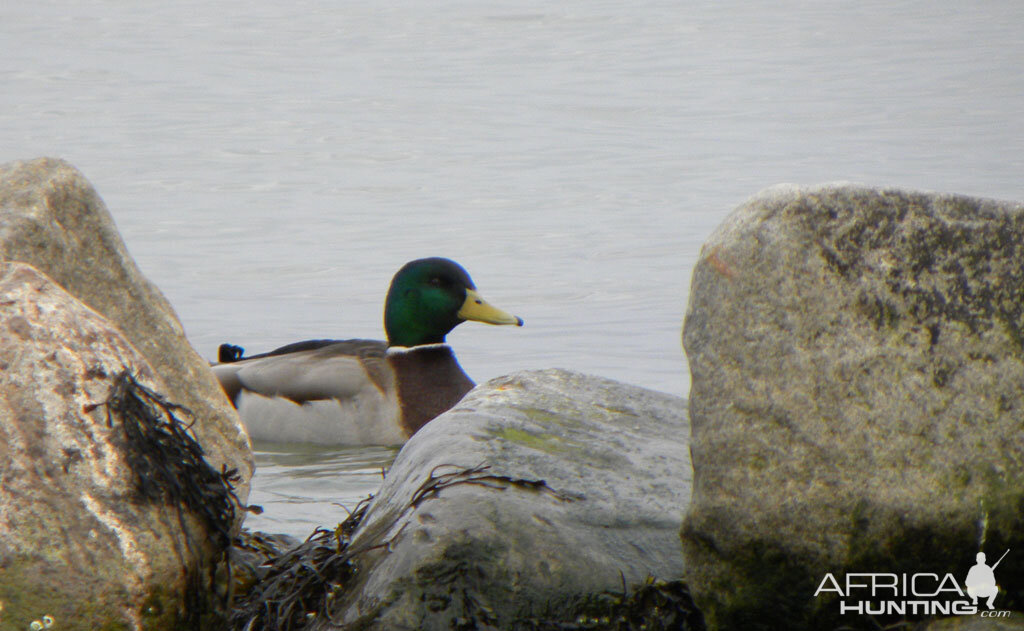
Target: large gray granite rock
53, 219
536, 490
88, 535
857, 358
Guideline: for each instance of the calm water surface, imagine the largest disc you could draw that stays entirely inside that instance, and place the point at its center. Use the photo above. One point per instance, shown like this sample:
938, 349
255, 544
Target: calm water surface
271, 165
300, 487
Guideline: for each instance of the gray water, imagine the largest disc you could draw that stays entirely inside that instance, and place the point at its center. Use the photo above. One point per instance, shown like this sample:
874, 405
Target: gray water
271, 164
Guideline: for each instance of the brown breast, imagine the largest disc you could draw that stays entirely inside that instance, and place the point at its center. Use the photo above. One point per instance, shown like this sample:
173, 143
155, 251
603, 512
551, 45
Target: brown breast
429, 382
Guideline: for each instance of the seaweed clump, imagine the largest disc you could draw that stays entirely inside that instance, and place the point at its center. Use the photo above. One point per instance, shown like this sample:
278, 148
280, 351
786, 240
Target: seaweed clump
167, 461
167, 466
297, 587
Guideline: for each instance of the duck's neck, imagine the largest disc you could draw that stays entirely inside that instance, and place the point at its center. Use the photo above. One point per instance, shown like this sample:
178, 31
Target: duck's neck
409, 324
429, 381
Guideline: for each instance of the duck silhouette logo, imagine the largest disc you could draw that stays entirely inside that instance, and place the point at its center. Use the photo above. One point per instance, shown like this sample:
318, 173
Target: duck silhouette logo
981, 580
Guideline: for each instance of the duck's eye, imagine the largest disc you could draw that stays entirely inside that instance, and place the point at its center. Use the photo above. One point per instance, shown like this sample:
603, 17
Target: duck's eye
435, 281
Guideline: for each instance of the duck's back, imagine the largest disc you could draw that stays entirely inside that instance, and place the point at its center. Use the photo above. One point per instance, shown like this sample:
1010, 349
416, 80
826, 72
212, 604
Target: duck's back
321, 391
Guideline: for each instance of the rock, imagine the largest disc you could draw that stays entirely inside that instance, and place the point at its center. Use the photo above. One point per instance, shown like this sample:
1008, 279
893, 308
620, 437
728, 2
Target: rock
52, 218
108, 519
857, 396
534, 491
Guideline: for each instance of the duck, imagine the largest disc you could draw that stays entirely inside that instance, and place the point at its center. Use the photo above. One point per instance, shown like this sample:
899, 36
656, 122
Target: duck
361, 392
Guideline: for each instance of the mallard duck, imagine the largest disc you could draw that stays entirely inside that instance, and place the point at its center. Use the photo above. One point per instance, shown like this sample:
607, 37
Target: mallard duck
364, 392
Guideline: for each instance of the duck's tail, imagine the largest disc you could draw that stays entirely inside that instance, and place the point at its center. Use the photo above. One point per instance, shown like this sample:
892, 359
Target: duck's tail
228, 353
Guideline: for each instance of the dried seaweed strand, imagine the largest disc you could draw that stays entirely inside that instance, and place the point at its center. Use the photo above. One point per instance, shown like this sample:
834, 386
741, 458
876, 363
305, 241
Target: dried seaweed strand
476, 475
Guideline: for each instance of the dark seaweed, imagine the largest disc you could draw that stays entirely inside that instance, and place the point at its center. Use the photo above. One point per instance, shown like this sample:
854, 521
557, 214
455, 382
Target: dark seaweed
479, 475
300, 585
167, 466
166, 459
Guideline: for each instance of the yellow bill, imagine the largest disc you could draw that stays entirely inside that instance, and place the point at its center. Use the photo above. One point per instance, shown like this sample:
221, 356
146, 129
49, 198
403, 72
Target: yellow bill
476, 308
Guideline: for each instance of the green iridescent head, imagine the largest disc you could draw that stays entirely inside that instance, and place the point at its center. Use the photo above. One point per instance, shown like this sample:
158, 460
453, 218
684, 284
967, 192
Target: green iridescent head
430, 297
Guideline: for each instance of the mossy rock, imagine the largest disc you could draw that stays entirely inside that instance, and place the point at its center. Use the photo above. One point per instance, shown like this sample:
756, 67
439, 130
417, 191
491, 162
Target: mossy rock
858, 389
